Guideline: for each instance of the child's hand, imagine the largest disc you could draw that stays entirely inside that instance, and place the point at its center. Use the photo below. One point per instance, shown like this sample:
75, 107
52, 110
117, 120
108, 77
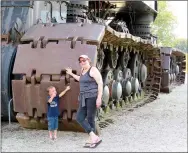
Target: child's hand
53, 95
68, 88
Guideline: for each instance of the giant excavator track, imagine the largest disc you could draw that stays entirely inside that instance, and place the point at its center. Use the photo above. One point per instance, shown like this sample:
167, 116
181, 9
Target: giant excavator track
130, 67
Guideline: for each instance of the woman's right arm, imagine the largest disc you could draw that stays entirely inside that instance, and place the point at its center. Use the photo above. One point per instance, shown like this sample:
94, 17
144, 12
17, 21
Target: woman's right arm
77, 77
69, 71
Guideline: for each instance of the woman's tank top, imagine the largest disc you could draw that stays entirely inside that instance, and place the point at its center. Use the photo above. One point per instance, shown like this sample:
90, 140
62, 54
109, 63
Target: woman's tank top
88, 87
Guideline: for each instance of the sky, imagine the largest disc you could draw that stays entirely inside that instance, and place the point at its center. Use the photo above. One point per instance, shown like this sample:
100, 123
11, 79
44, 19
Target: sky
179, 9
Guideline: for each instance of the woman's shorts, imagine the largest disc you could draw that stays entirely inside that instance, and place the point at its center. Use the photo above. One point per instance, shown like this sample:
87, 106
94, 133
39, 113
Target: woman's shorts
52, 123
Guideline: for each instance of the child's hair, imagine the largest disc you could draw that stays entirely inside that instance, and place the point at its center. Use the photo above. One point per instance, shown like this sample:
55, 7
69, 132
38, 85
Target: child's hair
50, 87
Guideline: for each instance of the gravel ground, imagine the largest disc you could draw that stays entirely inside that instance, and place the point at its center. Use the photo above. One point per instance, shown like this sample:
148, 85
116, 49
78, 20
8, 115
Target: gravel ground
157, 126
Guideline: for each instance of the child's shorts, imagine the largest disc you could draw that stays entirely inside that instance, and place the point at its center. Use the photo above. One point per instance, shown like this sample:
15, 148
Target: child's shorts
52, 123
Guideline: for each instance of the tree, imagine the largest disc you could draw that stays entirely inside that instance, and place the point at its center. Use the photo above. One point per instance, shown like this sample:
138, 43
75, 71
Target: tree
181, 44
164, 24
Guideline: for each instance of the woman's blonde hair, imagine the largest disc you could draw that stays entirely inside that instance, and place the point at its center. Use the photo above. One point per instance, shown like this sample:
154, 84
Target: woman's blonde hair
90, 63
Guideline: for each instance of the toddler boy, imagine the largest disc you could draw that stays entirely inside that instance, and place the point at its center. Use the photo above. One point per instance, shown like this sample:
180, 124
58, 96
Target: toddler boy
53, 109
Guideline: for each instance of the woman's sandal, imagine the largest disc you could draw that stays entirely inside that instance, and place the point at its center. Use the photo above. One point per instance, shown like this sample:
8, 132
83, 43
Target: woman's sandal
51, 138
92, 145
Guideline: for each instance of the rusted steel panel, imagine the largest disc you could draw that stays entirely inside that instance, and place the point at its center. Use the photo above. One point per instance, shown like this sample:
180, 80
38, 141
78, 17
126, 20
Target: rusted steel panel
165, 83
73, 96
165, 79
32, 99
44, 67
18, 88
61, 86
51, 60
45, 82
89, 32
178, 53
28, 97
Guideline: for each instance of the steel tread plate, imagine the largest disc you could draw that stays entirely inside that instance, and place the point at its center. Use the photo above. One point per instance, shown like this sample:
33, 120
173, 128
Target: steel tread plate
51, 60
89, 32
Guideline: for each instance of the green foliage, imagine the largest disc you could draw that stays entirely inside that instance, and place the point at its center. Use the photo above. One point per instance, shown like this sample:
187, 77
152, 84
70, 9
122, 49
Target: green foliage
181, 44
164, 24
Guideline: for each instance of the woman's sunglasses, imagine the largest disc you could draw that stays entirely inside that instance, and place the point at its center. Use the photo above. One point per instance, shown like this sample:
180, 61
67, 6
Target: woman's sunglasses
80, 61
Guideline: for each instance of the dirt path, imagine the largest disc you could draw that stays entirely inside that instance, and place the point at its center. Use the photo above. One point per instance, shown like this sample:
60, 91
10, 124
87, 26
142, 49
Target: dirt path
157, 126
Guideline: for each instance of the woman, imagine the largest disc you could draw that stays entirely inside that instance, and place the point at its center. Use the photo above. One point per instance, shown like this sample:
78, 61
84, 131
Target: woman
91, 88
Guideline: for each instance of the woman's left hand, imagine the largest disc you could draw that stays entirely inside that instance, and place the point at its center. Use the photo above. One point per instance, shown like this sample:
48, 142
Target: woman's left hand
98, 102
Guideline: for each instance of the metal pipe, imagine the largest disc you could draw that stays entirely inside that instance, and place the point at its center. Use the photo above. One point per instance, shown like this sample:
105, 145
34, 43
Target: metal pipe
95, 9
9, 118
99, 10
66, 3
51, 9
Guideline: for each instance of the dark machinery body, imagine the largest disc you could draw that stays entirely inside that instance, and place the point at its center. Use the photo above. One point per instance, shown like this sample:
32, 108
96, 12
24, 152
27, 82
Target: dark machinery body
114, 34
173, 68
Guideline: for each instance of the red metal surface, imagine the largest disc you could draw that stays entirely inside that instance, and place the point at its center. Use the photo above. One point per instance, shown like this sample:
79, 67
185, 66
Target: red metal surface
177, 52
51, 60
43, 67
42, 62
86, 31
